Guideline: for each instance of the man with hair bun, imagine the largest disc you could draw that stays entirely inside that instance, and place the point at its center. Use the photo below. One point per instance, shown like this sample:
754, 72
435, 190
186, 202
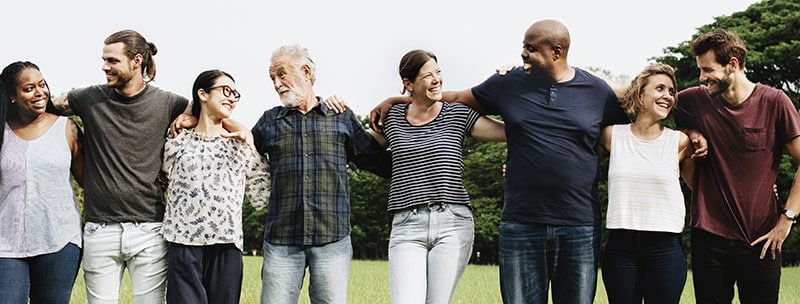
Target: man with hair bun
125, 121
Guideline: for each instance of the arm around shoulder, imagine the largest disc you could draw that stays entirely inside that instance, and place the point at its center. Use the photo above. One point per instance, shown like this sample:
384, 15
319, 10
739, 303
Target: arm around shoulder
489, 129
61, 106
686, 160
75, 140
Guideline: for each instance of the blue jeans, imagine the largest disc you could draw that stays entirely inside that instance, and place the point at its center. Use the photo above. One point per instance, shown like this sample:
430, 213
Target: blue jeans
109, 248
284, 268
644, 265
533, 256
719, 263
429, 248
46, 278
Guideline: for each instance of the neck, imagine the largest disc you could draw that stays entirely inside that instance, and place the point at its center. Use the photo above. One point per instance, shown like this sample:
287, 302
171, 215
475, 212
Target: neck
133, 87
24, 118
208, 125
646, 127
562, 73
740, 89
308, 103
422, 111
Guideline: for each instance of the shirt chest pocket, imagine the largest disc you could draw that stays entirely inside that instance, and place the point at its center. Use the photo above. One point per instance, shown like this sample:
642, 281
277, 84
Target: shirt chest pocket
755, 139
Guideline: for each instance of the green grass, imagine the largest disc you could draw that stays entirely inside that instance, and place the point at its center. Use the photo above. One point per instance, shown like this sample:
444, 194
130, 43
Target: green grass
369, 284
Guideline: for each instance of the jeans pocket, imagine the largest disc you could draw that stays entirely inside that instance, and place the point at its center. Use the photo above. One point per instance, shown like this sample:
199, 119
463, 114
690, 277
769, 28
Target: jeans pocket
91, 228
154, 227
402, 217
460, 211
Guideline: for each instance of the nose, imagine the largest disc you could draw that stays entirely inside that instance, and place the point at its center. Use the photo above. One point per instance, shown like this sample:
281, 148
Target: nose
703, 77
276, 83
105, 67
39, 91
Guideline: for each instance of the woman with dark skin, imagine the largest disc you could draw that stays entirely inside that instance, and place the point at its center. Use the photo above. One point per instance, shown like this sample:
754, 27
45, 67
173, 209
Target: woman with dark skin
40, 224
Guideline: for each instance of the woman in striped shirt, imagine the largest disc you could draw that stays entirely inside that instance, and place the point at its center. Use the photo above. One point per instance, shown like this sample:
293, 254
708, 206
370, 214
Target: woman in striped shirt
643, 257
432, 229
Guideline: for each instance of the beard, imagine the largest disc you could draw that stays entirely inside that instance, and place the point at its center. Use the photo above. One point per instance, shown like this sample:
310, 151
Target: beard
722, 86
122, 79
294, 97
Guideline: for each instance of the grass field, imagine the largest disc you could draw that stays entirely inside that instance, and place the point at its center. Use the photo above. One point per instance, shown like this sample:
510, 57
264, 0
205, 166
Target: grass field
369, 284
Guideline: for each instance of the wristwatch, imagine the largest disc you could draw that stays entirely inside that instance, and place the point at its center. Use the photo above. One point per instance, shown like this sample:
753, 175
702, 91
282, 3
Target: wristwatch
790, 215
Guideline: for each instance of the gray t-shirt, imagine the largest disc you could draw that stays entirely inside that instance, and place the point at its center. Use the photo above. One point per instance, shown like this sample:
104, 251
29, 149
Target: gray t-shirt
123, 148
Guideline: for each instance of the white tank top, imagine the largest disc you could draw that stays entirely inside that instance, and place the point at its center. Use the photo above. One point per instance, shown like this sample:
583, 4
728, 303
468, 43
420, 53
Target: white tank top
644, 191
38, 211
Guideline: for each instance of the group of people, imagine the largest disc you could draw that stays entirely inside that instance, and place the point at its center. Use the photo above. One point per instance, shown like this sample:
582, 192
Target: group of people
558, 120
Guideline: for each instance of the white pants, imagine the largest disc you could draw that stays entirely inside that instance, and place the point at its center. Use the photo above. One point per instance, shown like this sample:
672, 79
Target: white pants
108, 248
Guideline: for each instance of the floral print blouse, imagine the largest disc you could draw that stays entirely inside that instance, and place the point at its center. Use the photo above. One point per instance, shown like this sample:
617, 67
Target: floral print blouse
208, 178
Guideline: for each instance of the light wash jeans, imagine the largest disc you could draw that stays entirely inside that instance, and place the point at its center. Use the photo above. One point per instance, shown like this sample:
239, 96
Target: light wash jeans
533, 257
284, 268
429, 248
108, 248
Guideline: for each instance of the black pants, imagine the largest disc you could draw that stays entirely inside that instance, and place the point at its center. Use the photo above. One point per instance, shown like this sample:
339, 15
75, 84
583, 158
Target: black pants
204, 274
643, 265
719, 263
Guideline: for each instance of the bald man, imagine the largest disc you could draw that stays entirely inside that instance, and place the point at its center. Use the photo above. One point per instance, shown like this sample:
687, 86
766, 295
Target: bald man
550, 226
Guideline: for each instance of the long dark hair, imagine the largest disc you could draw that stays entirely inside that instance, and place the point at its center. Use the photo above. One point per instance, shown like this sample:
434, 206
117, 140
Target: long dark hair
8, 89
205, 81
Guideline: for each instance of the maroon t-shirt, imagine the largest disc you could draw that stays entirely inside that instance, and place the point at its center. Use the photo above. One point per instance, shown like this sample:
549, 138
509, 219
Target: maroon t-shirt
733, 195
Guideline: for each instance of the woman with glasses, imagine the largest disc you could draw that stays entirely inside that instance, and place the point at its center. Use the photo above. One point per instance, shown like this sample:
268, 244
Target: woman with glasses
209, 175
40, 225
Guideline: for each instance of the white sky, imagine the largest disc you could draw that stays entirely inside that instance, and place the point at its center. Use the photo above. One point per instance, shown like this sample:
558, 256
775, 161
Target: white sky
356, 45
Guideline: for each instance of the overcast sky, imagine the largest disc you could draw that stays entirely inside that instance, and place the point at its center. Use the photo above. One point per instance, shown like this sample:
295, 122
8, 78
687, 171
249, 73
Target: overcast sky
356, 45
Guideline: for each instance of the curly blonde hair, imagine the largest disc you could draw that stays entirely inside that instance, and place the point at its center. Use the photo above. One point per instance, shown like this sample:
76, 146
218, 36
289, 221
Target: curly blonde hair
631, 101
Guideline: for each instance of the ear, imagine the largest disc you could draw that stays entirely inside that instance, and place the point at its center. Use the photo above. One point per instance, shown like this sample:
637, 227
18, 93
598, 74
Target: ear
407, 85
558, 51
734, 63
137, 60
306, 71
202, 94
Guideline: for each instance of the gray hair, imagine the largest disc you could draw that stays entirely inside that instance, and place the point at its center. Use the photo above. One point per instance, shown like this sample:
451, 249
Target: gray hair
299, 56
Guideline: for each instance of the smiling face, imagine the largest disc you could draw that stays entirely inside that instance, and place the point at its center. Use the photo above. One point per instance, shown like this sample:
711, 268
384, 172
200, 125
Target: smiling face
31, 94
716, 76
119, 69
215, 103
428, 83
658, 96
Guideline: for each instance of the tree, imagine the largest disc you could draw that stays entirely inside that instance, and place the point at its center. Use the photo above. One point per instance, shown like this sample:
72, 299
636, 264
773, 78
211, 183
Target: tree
485, 184
771, 31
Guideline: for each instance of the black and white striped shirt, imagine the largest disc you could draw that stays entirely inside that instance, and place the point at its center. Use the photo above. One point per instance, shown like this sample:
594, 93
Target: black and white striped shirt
427, 163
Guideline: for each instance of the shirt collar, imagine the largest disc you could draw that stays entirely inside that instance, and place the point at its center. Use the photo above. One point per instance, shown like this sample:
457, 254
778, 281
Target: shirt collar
321, 108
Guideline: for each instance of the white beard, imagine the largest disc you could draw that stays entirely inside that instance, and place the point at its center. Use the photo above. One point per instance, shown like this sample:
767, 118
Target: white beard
293, 98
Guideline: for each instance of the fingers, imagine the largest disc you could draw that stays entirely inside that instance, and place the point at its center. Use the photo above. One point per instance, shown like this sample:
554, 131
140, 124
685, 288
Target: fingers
504, 69
764, 250
335, 103
375, 121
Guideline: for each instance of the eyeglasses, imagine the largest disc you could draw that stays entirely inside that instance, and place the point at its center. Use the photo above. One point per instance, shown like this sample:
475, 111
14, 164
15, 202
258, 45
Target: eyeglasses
227, 92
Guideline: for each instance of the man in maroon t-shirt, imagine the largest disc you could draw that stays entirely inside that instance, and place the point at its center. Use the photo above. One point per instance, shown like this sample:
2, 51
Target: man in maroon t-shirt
738, 227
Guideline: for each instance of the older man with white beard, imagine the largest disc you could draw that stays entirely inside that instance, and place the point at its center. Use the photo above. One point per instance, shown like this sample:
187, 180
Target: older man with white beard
308, 221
